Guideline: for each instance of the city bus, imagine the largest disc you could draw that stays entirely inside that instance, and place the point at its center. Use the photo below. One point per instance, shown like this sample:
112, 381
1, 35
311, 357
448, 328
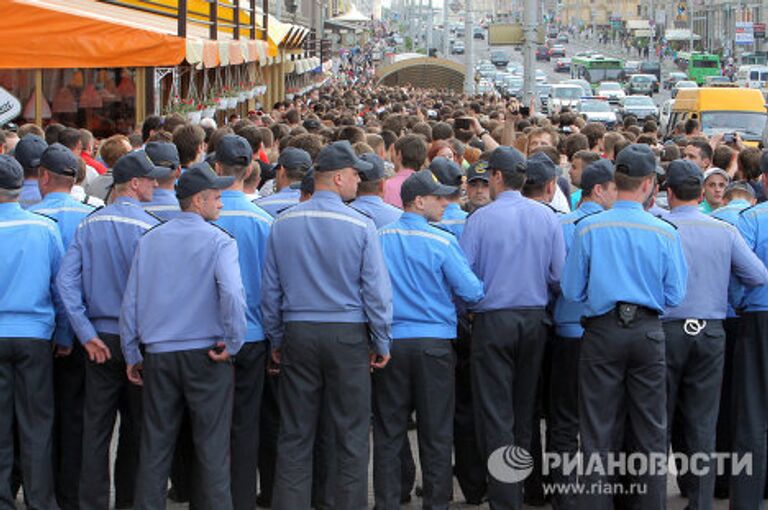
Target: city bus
699, 65
596, 69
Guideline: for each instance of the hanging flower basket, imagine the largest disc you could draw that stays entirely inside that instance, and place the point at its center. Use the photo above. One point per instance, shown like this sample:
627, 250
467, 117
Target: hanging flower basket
208, 113
195, 116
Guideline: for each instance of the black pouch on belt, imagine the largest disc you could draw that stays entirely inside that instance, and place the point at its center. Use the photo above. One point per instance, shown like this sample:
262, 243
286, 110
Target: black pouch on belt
627, 313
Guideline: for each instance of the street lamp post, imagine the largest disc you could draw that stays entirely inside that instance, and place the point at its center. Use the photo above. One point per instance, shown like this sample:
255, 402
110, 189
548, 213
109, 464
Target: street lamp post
529, 30
469, 50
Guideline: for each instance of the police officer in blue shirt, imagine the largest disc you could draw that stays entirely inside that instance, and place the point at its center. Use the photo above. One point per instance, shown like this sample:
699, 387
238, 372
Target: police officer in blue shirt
626, 266
56, 176
449, 173
695, 337
292, 164
427, 268
164, 203
92, 281
598, 193
28, 152
188, 349
370, 193
750, 364
249, 225
31, 253
540, 178
327, 310
515, 246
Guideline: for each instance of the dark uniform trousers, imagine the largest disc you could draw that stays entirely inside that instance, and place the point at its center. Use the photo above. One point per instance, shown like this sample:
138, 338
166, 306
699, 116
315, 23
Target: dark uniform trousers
563, 422
750, 409
694, 376
69, 397
323, 364
732, 326
250, 367
420, 376
108, 390
268, 430
469, 465
26, 397
174, 381
622, 369
507, 352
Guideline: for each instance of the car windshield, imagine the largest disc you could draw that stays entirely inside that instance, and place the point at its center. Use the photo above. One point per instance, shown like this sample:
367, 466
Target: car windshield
498, 54
686, 85
574, 92
543, 90
638, 101
610, 86
595, 106
641, 79
598, 75
748, 124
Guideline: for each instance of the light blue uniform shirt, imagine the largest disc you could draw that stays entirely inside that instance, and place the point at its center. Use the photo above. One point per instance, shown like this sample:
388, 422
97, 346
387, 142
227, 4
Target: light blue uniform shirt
753, 225
30, 193
30, 255
713, 251
454, 219
95, 268
427, 268
379, 211
515, 246
324, 264
164, 204
67, 212
568, 314
283, 199
625, 255
204, 270
249, 224
730, 213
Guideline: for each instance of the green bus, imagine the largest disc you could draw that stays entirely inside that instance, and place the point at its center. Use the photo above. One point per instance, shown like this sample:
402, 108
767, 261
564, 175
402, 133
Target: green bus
699, 65
596, 69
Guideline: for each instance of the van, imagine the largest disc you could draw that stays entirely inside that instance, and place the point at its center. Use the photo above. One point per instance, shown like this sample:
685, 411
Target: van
753, 77
722, 110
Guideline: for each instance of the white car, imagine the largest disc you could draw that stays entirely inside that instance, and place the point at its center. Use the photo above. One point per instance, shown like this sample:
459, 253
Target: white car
485, 87
564, 96
595, 110
541, 76
612, 91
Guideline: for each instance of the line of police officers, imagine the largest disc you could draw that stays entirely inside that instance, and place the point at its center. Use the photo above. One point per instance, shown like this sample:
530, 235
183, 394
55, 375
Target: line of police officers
181, 315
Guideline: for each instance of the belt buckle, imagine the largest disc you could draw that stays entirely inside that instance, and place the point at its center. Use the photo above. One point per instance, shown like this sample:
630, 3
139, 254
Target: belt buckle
693, 327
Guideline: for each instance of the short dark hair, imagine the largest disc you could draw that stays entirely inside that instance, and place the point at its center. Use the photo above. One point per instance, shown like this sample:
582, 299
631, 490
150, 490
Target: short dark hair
551, 152
188, 139
351, 133
626, 183
691, 125
52, 133
422, 128
69, 138
749, 162
442, 131
309, 142
594, 131
705, 150
686, 191
151, 123
413, 150
587, 157
722, 156
574, 143
512, 180
252, 134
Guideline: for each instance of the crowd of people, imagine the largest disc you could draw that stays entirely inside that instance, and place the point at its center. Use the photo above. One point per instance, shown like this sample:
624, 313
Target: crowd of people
253, 300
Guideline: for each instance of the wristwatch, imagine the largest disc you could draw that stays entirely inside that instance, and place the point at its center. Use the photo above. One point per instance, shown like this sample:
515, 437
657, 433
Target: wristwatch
483, 133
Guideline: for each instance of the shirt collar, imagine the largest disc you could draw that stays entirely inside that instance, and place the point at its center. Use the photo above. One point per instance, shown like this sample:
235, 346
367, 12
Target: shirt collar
189, 216
7, 207
590, 207
326, 196
30, 182
56, 195
686, 209
509, 195
413, 218
162, 192
127, 201
739, 203
627, 204
370, 199
453, 206
231, 193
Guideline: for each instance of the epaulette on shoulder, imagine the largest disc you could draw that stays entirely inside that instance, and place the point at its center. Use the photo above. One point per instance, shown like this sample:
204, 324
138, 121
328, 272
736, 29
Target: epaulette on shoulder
361, 212
95, 209
747, 209
551, 208
222, 229
155, 216
45, 216
279, 211
441, 227
150, 229
667, 222
720, 220
586, 216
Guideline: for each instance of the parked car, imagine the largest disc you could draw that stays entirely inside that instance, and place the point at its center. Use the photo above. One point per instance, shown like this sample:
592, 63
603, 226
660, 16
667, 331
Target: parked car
562, 65
558, 50
542, 53
564, 96
499, 58
478, 33
595, 110
641, 107
683, 84
640, 84
673, 78
562, 38
654, 68
458, 48
611, 90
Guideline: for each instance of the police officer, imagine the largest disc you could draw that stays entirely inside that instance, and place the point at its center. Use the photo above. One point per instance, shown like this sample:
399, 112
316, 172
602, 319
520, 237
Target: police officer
92, 281
164, 203
750, 364
32, 251
187, 360
249, 225
515, 246
292, 164
598, 192
56, 176
478, 191
325, 295
695, 337
627, 266
540, 178
28, 152
427, 268
370, 193
449, 173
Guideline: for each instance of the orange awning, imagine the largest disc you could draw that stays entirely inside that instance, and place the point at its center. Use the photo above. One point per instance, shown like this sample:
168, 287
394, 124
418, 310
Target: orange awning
81, 33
